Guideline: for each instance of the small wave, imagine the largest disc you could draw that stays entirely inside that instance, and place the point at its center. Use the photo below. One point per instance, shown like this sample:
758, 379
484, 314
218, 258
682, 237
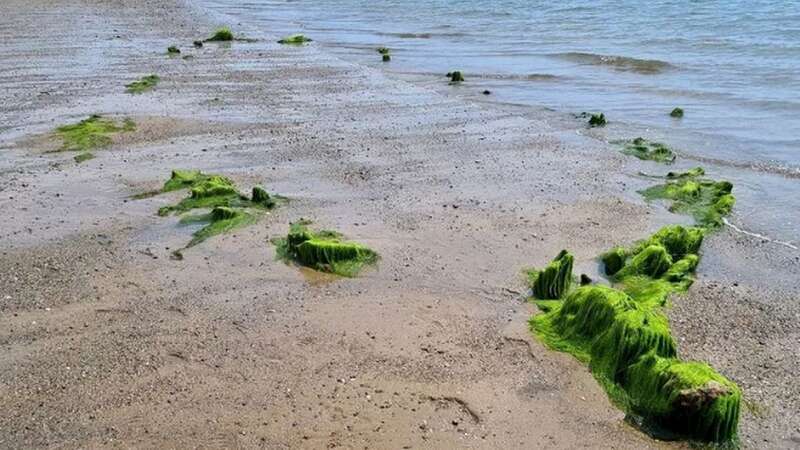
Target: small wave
644, 66
419, 35
492, 76
758, 236
757, 166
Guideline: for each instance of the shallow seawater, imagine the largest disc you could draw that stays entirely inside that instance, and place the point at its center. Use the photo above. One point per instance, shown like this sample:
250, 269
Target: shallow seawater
733, 66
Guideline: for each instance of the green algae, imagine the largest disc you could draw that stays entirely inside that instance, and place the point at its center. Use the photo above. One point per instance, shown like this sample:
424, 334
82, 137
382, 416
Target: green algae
654, 268
689, 398
173, 50
386, 57
91, 133
676, 113
295, 39
220, 220
325, 250
553, 281
623, 335
142, 85
85, 156
223, 34
211, 191
647, 150
708, 201
383, 50
597, 120
455, 76
691, 173
229, 209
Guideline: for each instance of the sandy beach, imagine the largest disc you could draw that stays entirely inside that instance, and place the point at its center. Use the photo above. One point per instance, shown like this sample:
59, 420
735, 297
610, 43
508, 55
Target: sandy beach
109, 342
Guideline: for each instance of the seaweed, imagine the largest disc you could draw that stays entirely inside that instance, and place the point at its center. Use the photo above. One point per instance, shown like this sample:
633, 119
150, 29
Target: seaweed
144, 84
220, 220
613, 260
386, 57
624, 336
689, 398
295, 39
85, 156
597, 120
647, 150
93, 132
553, 281
173, 50
208, 192
708, 201
676, 113
691, 173
655, 267
455, 76
223, 34
229, 209
326, 251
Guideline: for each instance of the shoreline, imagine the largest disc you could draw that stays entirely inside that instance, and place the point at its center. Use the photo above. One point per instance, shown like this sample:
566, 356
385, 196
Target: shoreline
230, 347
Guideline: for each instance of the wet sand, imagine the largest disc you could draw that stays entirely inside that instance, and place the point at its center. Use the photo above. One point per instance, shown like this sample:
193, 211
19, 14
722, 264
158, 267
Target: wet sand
108, 342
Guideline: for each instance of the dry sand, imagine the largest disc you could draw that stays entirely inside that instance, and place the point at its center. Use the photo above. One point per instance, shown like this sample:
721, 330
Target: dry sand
107, 342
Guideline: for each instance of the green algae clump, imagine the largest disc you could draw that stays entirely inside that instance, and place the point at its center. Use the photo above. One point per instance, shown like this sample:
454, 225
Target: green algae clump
223, 34
455, 76
689, 398
597, 120
676, 113
220, 220
386, 57
553, 281
85, 156
647, 150
91, 133
173, 50
325, 250
142, 85
708, 201
655, 267
229, 209
630, 350
383, 50
208, 191
295, 39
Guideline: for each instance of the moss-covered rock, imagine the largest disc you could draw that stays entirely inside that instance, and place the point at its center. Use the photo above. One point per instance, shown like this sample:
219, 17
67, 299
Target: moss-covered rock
644, 149
613, 260
553, 281
94, 132
295, 39
597, 120
326, 251
629, 348
386, 57
142, 85
676, 113
689, 398
455, 76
